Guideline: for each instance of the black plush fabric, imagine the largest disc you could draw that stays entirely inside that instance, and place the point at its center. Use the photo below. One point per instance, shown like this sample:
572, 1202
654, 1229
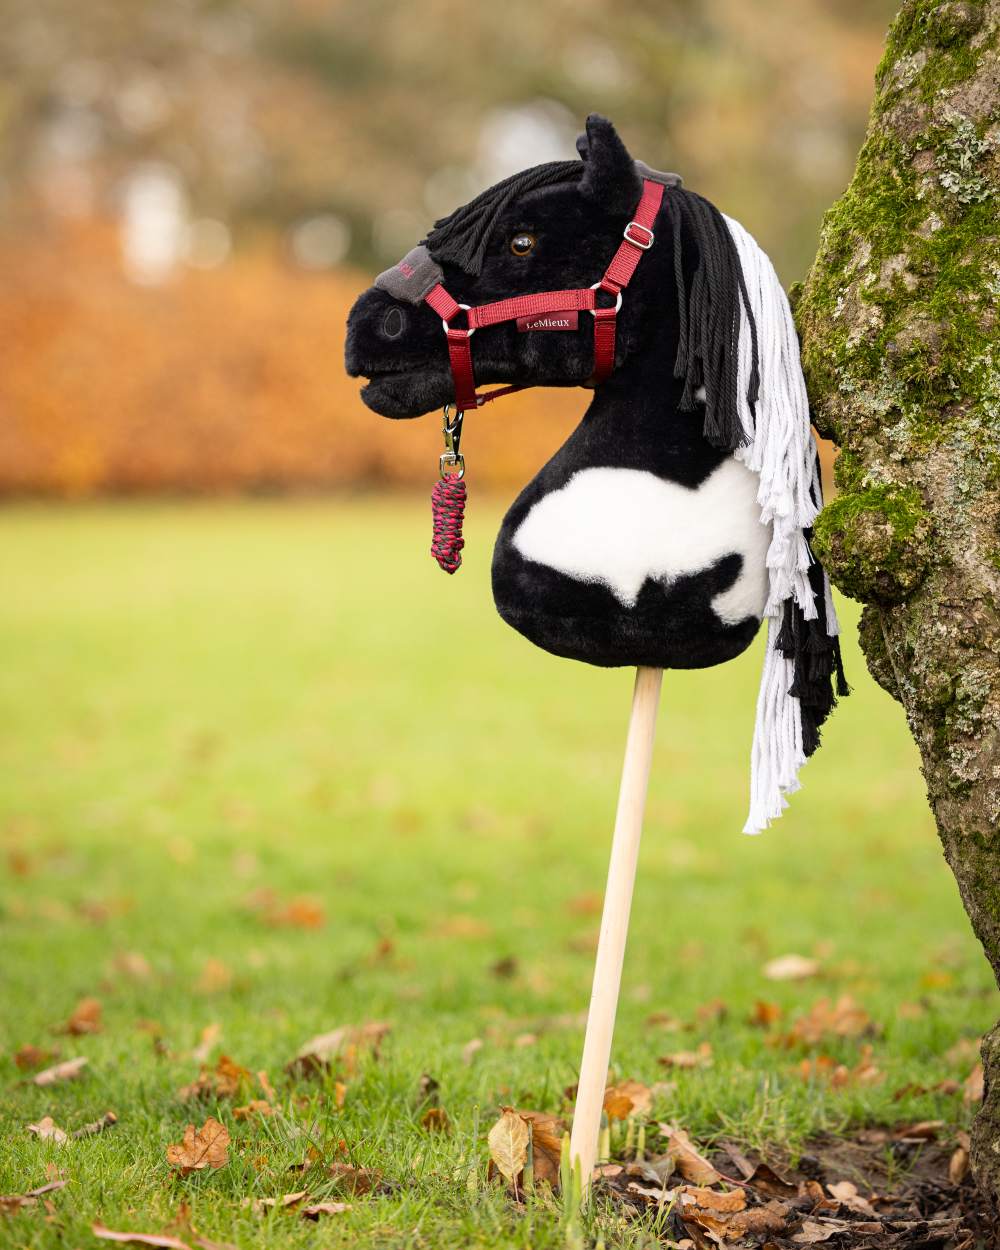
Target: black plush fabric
677, 323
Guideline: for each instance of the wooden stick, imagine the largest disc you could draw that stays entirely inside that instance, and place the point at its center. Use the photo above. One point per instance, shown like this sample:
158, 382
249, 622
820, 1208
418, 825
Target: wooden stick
614, 923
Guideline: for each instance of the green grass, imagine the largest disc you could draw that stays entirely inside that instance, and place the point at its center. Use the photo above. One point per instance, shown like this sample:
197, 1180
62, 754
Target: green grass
200, 701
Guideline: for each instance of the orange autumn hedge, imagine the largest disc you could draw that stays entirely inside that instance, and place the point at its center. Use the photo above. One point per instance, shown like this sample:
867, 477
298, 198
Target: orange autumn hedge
221, 381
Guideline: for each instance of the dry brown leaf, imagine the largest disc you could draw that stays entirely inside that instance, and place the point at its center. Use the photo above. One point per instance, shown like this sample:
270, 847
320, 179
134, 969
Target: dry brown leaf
471, 1049
14, 1202
164, 1240
26, 1058
846, 1193
47, 1130
225, 1080
68, 1070
764, 1014
260, 1205
627, 1098
209, 1036
353, 1179
508, 1143
132, 964
435, 1120
812, 1232
86, 1018
973, 1085
734, 1200
923, 1130
256, 1106
709, 1013
96, 1126
693, 1166
316, 1209
298, 913
266, 1086
791, 968
339, 1094
346, 1043
844, 1018
215, 977
208, 1147
546, 1143
700, 1058
958, 1165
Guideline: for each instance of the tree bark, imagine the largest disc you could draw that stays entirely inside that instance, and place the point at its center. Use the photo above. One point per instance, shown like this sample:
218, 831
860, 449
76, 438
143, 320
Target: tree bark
898, 318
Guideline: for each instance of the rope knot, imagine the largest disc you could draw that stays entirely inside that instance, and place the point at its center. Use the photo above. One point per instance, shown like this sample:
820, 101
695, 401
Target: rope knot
448, 508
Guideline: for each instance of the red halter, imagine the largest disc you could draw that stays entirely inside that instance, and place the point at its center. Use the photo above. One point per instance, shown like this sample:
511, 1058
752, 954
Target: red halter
638, 239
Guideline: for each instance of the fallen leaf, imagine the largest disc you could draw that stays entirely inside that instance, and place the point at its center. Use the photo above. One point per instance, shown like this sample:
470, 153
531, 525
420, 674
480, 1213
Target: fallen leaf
132, 964
764, 1014
208, 1147
791, 968
303, 912
164, 1240
215, 977
664, 1020
225, 1080
68, 1070
734, 1200
28, 1057
700, 1058
353, 1179
257, 1106
693, 1166
346, 1043
86, 1018
260, 1205
471, 1049
209, 1036
965, 1048
47, 1130
435, 1120
96, 1126
958, 1164
266, 1086
844, 1018
764, 1178
627, 1098
973, 1085
505, 968
846, 1193
316, 1209
546, 1144
14, 1202
707, 1013
923, 1130
812, 1232
508, 1143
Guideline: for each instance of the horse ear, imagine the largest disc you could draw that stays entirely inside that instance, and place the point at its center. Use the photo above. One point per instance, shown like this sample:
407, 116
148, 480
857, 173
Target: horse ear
610, 177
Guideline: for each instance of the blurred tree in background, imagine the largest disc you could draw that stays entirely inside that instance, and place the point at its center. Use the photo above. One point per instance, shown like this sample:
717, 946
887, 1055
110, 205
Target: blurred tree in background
191, 194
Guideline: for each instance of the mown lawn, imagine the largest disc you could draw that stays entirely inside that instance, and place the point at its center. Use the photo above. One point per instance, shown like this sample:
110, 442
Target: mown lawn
221, 724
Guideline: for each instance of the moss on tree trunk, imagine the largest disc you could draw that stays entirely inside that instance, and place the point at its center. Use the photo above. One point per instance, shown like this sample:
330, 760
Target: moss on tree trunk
899, 324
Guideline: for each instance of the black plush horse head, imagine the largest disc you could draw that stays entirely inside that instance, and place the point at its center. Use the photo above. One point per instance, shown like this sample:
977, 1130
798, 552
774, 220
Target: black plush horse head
675, 518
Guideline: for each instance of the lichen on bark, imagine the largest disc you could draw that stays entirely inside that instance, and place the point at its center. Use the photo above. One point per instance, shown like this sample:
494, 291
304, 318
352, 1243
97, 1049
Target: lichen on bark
900, 344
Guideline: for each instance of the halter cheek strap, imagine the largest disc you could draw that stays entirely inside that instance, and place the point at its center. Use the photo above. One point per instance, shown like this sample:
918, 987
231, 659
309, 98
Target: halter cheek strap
638, 239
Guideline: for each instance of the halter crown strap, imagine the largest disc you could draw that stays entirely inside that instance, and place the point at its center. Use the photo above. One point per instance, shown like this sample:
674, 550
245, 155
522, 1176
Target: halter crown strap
638, 239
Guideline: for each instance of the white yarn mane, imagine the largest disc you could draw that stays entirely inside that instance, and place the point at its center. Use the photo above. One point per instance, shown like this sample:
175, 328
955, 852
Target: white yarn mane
782, 451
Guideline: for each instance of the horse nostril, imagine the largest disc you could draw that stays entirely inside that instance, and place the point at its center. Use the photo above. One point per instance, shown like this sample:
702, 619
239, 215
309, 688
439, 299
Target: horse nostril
393, 323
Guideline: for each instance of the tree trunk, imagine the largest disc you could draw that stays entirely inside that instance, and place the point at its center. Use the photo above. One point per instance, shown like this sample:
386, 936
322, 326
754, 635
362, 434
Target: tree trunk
898, 318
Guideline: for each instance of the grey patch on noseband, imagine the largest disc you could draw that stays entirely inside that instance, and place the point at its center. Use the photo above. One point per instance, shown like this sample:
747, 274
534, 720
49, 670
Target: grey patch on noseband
658, 175
412, 277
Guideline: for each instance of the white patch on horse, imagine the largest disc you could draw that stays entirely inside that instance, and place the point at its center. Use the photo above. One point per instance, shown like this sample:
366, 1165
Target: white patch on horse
622, 526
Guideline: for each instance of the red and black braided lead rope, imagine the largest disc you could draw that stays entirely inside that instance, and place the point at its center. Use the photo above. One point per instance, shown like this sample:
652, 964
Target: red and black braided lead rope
448, 508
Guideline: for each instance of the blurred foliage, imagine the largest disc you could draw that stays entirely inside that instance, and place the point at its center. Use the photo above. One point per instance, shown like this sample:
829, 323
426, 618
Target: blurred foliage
360, 122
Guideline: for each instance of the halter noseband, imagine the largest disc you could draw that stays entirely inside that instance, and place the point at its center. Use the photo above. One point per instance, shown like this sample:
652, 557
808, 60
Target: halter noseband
638, 238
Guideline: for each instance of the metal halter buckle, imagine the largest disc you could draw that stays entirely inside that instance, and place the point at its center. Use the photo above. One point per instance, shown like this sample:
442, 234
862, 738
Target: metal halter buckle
453, 329
452, 462
600, 285
637, 225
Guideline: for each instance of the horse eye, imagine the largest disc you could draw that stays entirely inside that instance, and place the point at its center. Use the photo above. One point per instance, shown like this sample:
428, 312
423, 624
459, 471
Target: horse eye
521, 244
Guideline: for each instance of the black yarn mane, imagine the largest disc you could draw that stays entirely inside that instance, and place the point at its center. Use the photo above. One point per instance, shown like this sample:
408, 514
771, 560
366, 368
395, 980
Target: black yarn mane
463, 236
708, 348
817, 668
